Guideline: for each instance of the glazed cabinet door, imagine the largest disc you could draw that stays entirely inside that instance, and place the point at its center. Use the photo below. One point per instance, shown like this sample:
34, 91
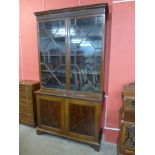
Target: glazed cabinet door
83, 119
86, 52
50, 112
52, 53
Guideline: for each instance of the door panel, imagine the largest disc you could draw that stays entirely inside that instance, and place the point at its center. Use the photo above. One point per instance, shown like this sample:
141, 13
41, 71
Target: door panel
51, 113
82, 119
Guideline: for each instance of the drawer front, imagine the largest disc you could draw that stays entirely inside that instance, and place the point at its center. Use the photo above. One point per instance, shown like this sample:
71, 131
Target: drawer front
50, 112
24, 95
25, 88
128, 116
25, 120
26, 114
25, 111
26, 100
129, 104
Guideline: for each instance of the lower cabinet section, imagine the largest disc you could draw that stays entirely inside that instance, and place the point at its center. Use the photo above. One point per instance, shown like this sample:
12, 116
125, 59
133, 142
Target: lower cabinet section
75, 119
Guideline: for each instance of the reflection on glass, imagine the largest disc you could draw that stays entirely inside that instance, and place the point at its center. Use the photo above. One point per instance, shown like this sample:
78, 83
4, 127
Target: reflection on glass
52, 54
86, 49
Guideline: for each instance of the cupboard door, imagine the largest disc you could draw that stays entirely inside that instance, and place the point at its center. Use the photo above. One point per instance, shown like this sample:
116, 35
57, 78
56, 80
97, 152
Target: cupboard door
86, 40
52, 54
50, 113
83, 119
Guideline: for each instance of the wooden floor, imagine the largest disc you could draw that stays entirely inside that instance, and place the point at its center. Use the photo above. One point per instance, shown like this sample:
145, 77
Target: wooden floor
32, 144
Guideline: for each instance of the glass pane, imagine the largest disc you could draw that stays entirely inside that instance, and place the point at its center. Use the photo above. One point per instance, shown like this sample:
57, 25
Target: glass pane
52, 54
86, 48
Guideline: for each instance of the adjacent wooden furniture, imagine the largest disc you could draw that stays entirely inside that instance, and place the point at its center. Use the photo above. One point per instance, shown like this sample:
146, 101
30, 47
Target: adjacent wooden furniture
71, 56
27, 102
126, 139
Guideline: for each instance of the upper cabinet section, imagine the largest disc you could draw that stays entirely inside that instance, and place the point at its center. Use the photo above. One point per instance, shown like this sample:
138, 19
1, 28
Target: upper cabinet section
71, 48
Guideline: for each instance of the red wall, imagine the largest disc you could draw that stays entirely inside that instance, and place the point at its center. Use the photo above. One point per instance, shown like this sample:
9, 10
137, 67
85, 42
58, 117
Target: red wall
122, 60
119, 63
